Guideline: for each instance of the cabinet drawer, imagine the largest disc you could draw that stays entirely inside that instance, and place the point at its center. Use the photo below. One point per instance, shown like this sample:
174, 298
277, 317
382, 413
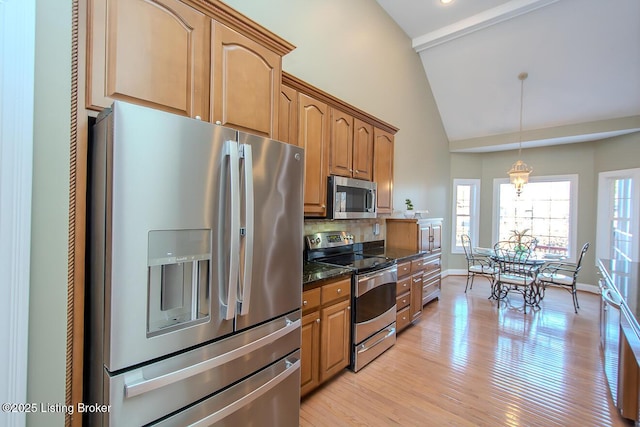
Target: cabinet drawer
432, 264
404, 268
427, 281
403, 318
417, 265
310, 299
403, 300
403, 285
335, 291
430, 291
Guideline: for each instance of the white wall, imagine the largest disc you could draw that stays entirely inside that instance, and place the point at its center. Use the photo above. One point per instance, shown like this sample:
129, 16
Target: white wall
355, 51
49, 226
584, 159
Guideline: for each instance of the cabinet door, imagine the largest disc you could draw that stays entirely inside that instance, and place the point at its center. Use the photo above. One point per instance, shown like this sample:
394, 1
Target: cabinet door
341, 144
436, 237
362, 150
416, 296
310, 352
424, 237
313, 136
334, 335
383, 169
245, 83
153, 53
288, 115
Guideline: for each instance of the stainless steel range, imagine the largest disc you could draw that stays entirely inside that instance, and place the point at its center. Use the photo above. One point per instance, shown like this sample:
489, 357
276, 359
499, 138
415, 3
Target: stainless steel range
373, 323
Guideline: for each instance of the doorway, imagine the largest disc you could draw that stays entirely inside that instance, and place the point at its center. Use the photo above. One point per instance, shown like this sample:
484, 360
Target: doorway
618, 215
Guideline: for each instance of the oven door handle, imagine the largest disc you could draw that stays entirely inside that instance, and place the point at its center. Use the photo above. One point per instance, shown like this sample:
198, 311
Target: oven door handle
377, 274
389, 332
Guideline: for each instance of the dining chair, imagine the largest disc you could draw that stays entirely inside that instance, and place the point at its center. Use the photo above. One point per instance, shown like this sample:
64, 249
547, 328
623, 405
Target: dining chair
477, 265
563, 274
516, 272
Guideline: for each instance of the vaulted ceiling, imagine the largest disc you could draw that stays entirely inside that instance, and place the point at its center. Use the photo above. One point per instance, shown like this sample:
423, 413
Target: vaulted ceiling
582, 58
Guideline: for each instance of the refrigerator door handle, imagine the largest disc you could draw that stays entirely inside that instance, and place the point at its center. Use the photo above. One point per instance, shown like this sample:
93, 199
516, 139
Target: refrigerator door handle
249, 397
245, 292
141, 385
229, 305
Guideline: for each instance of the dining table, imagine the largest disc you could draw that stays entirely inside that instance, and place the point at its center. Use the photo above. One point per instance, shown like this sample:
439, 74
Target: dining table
534, 263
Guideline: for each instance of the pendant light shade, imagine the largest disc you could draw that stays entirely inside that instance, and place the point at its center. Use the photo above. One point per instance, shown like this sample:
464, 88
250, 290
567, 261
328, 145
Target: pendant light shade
519, 172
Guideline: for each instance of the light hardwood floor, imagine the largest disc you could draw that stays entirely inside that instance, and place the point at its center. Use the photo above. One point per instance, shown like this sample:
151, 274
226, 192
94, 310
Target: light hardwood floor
469, 363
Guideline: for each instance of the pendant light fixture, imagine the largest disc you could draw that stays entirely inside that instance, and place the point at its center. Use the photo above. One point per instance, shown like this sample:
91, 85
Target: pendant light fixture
519, 173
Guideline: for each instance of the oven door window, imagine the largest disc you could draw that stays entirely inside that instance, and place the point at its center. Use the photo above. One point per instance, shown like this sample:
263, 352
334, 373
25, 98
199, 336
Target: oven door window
375, 302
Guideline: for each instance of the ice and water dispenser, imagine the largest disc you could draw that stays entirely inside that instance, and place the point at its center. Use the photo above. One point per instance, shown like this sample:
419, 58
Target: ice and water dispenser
178, 279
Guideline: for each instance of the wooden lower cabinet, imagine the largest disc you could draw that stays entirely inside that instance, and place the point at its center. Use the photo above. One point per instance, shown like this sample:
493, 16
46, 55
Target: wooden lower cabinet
423, 235
409, 292
309, 372
334, 338
326, 332
431, 279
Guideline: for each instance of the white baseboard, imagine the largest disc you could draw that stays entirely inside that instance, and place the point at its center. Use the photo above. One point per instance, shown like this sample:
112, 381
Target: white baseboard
587, 287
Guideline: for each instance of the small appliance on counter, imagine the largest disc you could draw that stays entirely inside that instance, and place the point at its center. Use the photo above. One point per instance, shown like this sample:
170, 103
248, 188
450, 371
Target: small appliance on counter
373, 292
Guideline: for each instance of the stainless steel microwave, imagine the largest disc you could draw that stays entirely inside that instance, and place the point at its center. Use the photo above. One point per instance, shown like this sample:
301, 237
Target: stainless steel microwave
350, 198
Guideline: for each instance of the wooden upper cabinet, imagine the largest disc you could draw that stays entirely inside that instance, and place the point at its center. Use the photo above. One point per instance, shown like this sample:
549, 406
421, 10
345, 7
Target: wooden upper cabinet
313, 136
383, 169
362, 150
245, 83
341, 146
288, 115
351, 147
155, 53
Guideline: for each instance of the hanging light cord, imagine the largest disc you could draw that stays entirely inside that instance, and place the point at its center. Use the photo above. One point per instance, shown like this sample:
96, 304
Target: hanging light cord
522, 77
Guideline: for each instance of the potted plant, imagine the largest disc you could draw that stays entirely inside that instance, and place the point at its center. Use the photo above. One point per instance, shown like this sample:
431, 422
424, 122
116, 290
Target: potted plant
409, 212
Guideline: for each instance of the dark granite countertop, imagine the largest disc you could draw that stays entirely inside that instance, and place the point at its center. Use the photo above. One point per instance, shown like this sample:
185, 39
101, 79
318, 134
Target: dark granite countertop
315, 271
401, 255
625, 278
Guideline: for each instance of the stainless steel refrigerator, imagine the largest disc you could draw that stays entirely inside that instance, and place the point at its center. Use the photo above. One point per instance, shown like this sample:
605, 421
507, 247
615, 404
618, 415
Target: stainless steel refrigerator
194, 273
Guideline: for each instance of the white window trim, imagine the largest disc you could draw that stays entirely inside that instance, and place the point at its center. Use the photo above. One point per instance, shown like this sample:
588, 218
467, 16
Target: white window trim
17, 49
573, 207
474, 226
603, 239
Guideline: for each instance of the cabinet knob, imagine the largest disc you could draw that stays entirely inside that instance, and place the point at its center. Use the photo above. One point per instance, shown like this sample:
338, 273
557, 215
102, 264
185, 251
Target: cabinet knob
304, 302
339, 291
405, 285
198, 118
218, 122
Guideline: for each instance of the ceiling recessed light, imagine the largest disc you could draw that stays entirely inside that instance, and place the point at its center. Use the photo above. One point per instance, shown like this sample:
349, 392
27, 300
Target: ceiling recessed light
445, 1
